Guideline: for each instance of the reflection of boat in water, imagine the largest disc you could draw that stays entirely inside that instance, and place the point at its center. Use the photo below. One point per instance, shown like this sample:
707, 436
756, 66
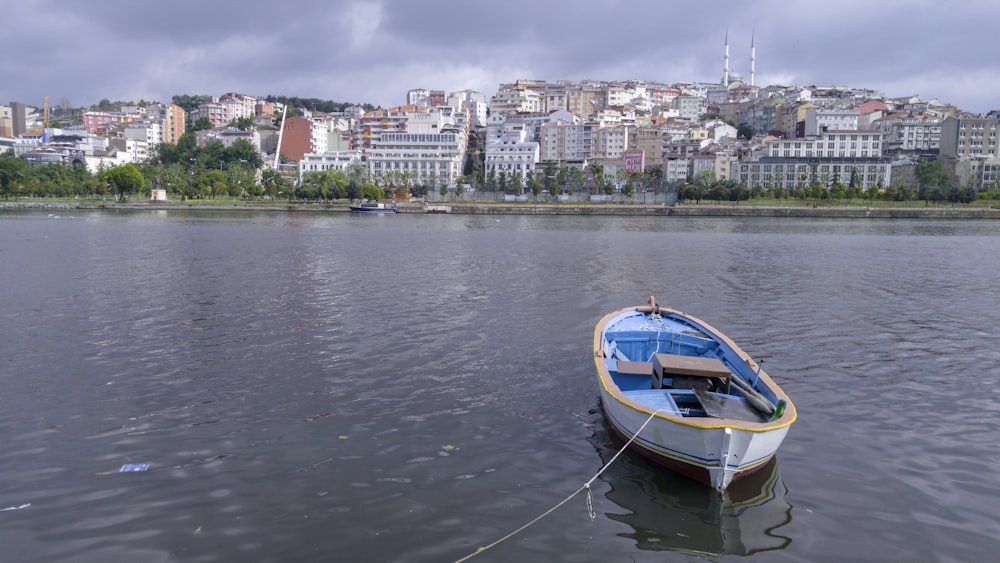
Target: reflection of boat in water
666, 511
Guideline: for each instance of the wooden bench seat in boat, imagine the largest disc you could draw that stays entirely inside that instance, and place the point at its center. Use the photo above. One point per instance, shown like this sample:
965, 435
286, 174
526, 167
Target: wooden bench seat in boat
668, 366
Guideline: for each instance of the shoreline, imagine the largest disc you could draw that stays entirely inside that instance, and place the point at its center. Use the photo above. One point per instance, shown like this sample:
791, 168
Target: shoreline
619, 210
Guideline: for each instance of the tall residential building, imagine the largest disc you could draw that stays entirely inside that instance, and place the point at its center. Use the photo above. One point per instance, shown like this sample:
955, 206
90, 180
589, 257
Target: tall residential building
171, 118
968, 136
970, 148
650, 141
563, 141
19, 118
302, 136
6, 123
611, 143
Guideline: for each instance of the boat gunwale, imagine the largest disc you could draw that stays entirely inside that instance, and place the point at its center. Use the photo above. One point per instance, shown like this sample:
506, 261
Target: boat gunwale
786, 419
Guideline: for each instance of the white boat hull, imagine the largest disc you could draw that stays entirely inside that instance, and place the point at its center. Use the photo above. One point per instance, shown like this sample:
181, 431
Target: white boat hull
714, 456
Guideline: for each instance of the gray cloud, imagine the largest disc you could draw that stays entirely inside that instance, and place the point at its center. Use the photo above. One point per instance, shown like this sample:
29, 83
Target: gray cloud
373, 51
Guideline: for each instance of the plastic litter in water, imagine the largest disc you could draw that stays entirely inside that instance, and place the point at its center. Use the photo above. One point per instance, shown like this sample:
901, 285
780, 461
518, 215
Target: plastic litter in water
133, 467
15, 507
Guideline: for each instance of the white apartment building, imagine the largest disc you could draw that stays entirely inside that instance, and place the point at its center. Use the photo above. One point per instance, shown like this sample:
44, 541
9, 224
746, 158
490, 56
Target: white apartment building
820, 119
841, 144
676, 170
833, 157
239, 105
147, 131
616, 97
511, 152
690, 107
320, 135
910, 132
472, 101
516, 99
417, 97
336, 160
430, 151
567, 142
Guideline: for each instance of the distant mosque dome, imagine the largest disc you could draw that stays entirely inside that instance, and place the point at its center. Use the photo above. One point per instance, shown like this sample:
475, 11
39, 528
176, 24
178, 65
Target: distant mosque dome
733, 78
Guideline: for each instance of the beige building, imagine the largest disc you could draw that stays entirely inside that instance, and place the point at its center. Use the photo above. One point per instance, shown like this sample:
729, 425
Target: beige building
650, 141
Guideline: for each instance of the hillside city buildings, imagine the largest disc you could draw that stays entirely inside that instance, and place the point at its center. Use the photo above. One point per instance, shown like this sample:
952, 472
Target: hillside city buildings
768, 136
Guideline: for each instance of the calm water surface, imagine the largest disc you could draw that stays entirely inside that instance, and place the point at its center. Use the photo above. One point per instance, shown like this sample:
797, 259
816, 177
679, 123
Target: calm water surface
327, 387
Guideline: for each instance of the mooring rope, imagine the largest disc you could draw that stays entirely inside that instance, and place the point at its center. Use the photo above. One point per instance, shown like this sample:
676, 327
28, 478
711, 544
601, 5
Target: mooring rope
586, 486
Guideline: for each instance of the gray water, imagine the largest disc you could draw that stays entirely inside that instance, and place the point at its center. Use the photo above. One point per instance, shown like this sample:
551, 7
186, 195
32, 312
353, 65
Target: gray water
328, 387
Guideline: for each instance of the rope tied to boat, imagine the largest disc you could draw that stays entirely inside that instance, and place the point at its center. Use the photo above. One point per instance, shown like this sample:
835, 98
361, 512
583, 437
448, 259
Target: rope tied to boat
586, 486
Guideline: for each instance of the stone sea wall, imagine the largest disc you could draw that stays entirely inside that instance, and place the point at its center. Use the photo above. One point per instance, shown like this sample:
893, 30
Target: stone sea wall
732, 211
704, 210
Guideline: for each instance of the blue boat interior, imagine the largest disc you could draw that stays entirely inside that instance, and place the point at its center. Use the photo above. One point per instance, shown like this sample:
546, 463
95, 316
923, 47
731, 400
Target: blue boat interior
670, 363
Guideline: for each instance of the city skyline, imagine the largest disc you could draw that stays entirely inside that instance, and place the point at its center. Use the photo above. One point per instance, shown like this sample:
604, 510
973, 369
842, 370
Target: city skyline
375, 51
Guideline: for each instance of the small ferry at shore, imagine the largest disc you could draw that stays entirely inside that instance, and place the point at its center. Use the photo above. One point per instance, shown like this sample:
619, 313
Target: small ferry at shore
374, 207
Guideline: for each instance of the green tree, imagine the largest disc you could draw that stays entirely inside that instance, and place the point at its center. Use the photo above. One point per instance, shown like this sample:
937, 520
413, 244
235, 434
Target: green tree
576, 178
13, 172
703, 183
536, 187
491, 180
371, 192
242, 123
202, 124
930, 176
123, 180
275, 185
517, 182
737, 190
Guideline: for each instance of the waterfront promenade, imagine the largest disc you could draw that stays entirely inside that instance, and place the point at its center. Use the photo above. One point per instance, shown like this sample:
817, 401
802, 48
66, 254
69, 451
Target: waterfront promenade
622, 210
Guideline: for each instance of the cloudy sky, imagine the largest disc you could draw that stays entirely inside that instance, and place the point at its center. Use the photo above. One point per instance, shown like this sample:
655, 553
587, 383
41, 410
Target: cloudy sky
375, 50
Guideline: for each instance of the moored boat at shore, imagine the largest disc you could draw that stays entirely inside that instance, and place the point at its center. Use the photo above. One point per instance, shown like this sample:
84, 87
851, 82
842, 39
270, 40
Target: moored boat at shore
694, 400
374, 207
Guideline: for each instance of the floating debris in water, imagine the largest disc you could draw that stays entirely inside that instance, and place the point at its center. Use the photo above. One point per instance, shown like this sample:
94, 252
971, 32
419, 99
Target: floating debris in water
133, 467
15, 507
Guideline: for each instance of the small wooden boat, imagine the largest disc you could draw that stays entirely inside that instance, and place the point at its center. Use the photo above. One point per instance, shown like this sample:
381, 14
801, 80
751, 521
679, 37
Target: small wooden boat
374, 207
695, 402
